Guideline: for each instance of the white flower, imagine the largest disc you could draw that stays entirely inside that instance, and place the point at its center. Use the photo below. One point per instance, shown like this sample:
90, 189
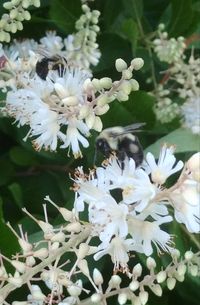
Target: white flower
109, 217
162, 169
73, 137
120, 178
118, 249
191, 114
145, 233
186, 203
52, 42
45, 124
141, 191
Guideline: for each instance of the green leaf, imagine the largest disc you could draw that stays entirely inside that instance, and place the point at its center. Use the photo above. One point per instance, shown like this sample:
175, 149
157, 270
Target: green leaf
182, 138
22, 157
16, 192
130, 30
140, 105
8, 242
181, 17
6, 171
111, 13
65, 13
134, 8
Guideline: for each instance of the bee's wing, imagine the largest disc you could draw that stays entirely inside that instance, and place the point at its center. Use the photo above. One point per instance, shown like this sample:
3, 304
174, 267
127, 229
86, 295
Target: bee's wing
133, 127
118, 131
41, 51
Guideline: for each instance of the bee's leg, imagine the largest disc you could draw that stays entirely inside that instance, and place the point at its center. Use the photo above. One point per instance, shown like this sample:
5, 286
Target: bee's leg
121, 155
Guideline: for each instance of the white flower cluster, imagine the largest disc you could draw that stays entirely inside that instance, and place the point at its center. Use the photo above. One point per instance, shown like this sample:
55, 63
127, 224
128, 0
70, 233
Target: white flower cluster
167, 49
123, 226
164, 107
12, 22
62, 106
186, 83
187, 77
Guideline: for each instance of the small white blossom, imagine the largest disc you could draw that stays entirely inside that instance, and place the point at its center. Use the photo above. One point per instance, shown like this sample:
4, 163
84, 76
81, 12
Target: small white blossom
145, 233
118, 249
164, 168
186, 203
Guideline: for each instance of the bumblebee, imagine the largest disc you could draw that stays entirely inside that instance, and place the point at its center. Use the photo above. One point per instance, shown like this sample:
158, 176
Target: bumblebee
46, 64
121, 141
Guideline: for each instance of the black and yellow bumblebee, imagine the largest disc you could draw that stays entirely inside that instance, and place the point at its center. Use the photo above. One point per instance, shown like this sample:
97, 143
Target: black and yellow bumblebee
48, 63
121, 141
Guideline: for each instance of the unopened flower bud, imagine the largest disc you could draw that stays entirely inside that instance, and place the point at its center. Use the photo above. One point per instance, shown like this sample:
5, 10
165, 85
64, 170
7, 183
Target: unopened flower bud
134, 84
26, 246
137, 270
41, 253
181, 269
120, 65
16, 280
122, 298
156, 289
96, 84
127, 74
30, 261
97, 124
101, 110
134, 285
97, 277
75, 290
73, 227
19, 266
83, 266
143, 295
188, 255
7, 5
115, 280
106, 82
84, 111
102, 100
13, 13
96, 298
83, 250
36, 3
151, 263
70, 101
161, 276
27, 15
179, 277
126, 87
171, 282
137, 63
37, 293
60, 237
46, 227
54, 246
193, 270
121, 96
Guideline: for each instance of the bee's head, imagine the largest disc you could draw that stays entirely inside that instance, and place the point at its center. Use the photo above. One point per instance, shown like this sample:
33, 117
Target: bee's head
103, 146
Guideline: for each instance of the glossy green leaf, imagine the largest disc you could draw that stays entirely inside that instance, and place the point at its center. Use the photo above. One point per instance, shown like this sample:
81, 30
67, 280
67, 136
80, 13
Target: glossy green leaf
134, 8
6, 171
182, 138
16, 192
65, 13
181, 17
22, 157
130, 30
8, 241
